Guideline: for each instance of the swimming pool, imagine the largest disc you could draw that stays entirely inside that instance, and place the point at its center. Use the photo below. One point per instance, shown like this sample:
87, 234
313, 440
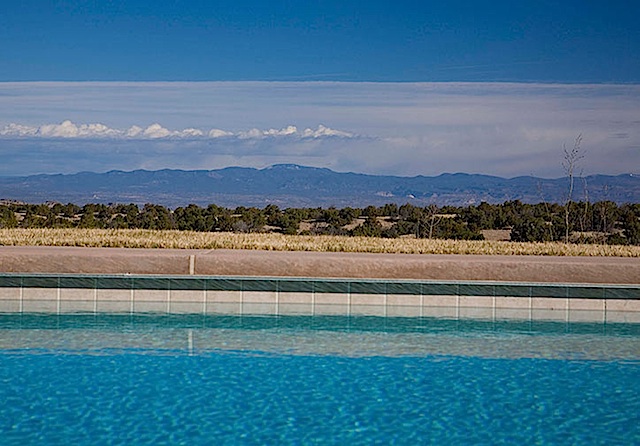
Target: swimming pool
203, 379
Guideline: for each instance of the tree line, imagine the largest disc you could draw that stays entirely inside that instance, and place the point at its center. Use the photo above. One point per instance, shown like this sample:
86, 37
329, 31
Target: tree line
601, 222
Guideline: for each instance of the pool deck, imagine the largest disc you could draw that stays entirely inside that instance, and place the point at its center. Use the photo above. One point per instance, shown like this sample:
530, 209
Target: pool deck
248, 263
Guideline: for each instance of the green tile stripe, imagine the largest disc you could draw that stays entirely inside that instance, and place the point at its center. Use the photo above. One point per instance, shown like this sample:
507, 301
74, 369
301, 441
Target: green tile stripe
317, 285
549, 291
439, 289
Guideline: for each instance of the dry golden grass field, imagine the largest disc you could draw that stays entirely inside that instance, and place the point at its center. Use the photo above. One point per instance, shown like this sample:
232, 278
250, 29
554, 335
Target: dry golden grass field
136, 238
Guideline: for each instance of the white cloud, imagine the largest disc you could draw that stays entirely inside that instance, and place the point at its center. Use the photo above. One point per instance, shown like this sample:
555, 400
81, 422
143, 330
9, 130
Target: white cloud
156, 131
192, 133
323, 131
251, 134
65, 130
218, 133
19, 130
68, 129
134, 131
290, 130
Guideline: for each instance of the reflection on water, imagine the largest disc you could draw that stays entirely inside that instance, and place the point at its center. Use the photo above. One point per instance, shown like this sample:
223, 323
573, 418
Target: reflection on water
329, 335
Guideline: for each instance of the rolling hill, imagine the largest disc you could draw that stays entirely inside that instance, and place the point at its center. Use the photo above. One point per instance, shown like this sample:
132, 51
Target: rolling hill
289, 185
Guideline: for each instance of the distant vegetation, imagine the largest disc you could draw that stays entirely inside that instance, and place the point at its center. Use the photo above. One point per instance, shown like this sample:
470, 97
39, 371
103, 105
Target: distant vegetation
145, 238
589, 223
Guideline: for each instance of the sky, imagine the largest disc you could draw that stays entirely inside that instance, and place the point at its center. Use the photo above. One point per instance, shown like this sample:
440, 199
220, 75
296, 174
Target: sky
383, 87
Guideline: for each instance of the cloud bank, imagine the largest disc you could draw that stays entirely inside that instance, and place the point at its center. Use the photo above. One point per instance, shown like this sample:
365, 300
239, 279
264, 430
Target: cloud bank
68, 129
503, 129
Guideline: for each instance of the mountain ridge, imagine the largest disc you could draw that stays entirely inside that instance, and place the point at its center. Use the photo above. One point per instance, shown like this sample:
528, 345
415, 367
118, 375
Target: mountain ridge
292, 185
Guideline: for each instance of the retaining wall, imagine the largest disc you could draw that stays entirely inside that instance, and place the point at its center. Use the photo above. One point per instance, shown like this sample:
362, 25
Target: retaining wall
29, 293
86, 280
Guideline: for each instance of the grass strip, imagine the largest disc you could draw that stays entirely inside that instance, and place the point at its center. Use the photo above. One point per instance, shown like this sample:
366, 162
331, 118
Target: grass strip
138, 238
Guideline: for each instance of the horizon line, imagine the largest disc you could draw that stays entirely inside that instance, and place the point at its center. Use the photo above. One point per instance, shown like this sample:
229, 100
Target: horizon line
271, 166
284, 81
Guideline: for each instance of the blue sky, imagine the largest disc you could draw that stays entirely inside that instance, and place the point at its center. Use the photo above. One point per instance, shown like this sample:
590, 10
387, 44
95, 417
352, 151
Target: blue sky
418, 41
393, 87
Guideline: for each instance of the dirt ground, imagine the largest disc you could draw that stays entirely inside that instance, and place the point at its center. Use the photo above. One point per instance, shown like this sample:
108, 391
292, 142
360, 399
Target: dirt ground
613, 270
497, 234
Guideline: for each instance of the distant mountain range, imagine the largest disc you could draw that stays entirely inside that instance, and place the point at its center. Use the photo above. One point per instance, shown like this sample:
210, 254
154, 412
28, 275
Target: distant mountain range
289, 185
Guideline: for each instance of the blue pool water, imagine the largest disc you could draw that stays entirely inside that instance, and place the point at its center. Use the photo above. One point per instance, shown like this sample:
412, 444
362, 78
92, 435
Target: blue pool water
180, 380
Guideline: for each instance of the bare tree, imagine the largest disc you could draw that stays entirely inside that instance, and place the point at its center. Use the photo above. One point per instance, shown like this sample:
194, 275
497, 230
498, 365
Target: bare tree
433, 218
569, 164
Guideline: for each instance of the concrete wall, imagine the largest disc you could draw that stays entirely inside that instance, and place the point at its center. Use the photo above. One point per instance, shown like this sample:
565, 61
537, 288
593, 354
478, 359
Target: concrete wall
92, 294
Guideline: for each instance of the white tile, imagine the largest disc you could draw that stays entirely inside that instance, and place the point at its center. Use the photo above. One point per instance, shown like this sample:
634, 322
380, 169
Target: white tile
586, 316
549, 314
40, 306
301, 309
150, 295
259, 308
440, 312
9, 306
331, 309
367, 299
223, 308
331, 298
83, 294
224, 296
259, 297
188, 296
586, 304
476, 313
632, 305
549, 303
623, 316
295, 298
144, 306
513, 313
105, 295
512, 302
114, 306
40, 294
186, 307
77, 306
476, 301
409, 300
10, 293
404, 311
440, 301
